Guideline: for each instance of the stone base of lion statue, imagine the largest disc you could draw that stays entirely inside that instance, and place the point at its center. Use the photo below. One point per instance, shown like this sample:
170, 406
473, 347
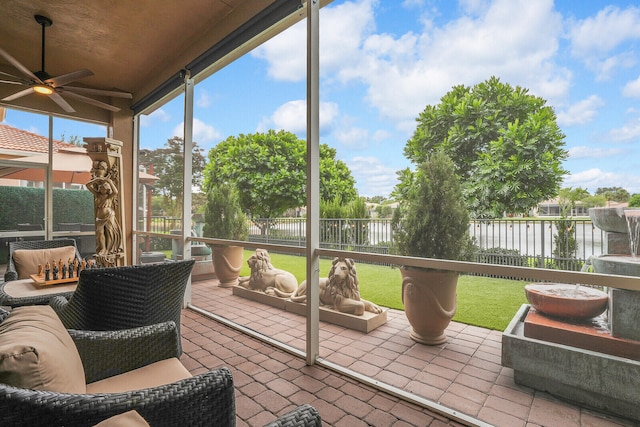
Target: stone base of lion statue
340, 301
366, 322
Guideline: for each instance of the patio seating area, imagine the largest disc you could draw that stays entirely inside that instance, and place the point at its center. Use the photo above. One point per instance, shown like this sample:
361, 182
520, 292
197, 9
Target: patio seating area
465, 374
17, 288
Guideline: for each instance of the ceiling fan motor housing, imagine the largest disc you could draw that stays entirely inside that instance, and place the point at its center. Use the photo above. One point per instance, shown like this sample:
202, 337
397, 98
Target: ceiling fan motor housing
43, 20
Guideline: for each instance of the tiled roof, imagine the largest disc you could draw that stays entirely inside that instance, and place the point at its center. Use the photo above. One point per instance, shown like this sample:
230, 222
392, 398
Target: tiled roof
22, 140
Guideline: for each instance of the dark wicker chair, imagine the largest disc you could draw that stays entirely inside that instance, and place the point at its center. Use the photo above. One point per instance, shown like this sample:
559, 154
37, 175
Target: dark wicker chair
11, 273
302, 416
125, 297
203, 400
206, 399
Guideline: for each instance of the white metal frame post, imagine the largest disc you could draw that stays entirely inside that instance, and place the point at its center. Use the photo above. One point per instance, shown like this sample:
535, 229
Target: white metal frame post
313, 181
134, 194
48, 210
189, 85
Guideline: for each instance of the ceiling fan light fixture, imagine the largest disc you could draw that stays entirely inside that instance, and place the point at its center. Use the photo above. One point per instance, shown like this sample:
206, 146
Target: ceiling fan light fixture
43, 89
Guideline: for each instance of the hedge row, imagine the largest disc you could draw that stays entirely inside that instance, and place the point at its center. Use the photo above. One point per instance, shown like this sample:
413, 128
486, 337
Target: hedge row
26, 205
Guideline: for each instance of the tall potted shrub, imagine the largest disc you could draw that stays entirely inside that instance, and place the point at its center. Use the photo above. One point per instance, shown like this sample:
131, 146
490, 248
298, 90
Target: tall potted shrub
431, 221
224, 219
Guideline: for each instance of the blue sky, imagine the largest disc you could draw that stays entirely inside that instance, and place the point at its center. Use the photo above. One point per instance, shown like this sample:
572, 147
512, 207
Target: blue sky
383, 61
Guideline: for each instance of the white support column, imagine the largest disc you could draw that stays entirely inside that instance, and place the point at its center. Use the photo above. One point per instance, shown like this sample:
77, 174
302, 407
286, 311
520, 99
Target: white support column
48, 193
313, 181
136, 191
187, 175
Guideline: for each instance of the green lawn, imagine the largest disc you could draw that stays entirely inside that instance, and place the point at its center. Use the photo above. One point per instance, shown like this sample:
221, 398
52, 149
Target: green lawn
485, 302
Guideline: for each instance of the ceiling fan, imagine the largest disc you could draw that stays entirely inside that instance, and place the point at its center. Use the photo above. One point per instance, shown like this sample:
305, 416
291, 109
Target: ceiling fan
40, 82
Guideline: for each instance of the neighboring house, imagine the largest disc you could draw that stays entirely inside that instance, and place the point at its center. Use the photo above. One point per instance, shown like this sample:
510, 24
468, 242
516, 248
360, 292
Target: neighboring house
71, 164
16, 143
21, 145
552, 208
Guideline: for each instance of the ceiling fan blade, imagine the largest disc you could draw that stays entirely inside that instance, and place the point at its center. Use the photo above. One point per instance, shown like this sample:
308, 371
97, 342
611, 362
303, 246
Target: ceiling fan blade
20, 94
61, 102
91, 101
15, 78
24, 70
69, 77
98, 92
11, 82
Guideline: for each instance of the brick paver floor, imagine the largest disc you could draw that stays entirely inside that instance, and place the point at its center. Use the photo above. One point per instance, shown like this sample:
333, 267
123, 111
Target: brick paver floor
463, 374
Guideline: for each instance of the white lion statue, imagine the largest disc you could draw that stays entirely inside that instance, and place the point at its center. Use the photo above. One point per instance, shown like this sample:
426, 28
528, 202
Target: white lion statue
265, 278
340, 290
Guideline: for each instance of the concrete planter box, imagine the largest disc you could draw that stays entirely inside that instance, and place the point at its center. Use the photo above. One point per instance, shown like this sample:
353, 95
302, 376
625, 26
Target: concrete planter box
603, 382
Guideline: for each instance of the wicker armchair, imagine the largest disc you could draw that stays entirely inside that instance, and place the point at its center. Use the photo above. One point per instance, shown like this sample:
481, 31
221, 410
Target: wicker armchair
303, 416
203, 400
11, 274
206, 399
125, 297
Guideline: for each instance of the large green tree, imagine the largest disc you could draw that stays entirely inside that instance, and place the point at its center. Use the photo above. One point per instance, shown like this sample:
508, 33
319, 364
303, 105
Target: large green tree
269, 170
505, 144
616, 194
166, 164
569, 197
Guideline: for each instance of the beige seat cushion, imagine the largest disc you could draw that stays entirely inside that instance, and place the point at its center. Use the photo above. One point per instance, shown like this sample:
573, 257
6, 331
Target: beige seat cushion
27, 260
128, 419
28, 288
37, 352
153, 375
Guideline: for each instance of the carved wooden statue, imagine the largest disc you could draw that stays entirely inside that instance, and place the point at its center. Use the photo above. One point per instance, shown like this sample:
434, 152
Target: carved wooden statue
106, 186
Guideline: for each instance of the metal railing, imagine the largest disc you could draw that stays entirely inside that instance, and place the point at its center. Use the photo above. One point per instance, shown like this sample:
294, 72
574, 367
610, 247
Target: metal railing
516, 242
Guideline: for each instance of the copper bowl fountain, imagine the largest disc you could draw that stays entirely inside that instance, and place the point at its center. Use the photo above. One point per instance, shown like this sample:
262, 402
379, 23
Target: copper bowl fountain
566, 301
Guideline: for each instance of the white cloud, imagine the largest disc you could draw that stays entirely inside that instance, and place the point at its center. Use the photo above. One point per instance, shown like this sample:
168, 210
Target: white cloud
292, 117
596, 40
341, 29
158, 115
474, 6
352, 137
372, 176
380, 135
412, 3
632, 89
202, 132
602, 33
516, 40
581, 112
584, 152
628, 132
203, 99
595, 178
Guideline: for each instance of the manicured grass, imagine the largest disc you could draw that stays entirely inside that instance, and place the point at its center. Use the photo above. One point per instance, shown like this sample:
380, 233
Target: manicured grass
482, 301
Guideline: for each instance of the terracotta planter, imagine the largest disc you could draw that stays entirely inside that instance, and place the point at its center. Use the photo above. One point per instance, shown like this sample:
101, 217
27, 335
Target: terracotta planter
429, 298
227, 262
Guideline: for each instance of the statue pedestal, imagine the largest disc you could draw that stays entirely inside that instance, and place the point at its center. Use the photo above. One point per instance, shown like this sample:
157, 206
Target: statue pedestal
365, 323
